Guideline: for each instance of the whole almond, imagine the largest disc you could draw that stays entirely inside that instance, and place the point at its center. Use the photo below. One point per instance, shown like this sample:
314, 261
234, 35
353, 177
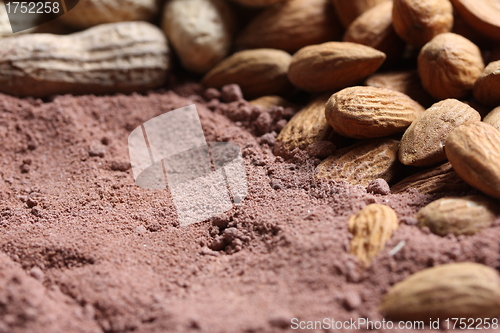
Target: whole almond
458, 216
258, 3
369, 112
473, 150
371, 227
487, 86
438, 179
333, 65
418, 21
449, 65
374, 28
423, 142
200, 32
481, 15
348, 11
493, 118
459, 290
258, 72
291, 26
270, 101
363, 162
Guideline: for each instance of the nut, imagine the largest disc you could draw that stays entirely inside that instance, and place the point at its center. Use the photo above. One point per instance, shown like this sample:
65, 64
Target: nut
291, 26
473, 151
460, 290
423, 142
449, 65
333, 65
493, 118
116, 57
458, 216
200, 32
371, 227
481, 15
363, 162
349, 10
369, 112
487, 86
258, 72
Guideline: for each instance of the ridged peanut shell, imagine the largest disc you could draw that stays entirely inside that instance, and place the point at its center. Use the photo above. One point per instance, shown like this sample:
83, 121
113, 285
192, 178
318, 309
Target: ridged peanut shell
348, 11
481, 15
487, 86
493, 118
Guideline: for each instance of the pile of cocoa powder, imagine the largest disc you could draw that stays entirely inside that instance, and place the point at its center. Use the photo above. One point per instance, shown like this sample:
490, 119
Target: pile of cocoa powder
86, 250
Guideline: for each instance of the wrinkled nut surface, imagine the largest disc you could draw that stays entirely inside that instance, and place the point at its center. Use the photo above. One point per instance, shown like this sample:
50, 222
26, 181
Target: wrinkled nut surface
418, 21
89, 13
458, 216
369, 112
371, 227
493, 118
374, 28
348, 11
200, 32
473, 150
487, 86
363, 162
481, 15
258, 72
258, 3
117, 57
333, 65
292, 26
423, 142
449, 65
459, 290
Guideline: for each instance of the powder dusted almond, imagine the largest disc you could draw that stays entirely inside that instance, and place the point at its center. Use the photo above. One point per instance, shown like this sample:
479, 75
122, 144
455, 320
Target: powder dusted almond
449, 65
374, 28
423, 142
333, 65
482, 15
493, 118
473, 150
458, 216
434, 180
459, 290
369, 112
363, 162
348, 11
267, 102
371, 227
487, 86
291, 26
258, 72
418, 21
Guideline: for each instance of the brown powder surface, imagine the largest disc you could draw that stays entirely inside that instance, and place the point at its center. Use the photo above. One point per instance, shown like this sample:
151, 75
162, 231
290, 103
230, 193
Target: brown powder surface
83, 249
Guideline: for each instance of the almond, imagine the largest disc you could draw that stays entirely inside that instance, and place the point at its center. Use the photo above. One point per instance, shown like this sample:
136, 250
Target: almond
481, 15
363, 162
493, 118
487, 86
267, 102
423, 142
458, 216
349, 10
473, 150
258, 72
418, 21
374, 28
449, 65
258, 3
371, 227
459, 290
333, 65
369, 112
434, 180
291, 26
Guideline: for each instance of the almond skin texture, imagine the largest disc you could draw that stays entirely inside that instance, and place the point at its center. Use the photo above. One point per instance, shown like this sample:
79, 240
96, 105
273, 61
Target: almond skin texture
493, 118
258, 72
473, 150
458, 216
348, 11
418, 21
434, 180
374, 28
363, 162
371, 227
487, 87
459, 290
333, 66
369, 112
291, 26
423, 142
449, 65
481, 15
